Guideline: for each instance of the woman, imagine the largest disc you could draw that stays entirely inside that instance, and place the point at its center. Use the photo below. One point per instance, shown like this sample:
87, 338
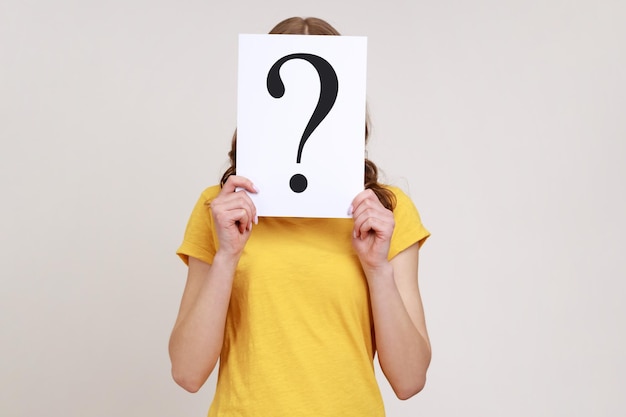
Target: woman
296, 309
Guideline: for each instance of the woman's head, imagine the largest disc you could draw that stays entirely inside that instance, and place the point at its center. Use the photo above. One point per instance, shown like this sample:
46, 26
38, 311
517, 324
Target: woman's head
315, 26
304, 26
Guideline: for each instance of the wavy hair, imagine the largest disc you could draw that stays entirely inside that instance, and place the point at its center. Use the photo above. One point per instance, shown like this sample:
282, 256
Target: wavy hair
315, 26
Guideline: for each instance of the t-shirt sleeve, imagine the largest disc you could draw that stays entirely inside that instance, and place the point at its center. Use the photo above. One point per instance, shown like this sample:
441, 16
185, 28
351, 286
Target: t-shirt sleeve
409, 228
199, 239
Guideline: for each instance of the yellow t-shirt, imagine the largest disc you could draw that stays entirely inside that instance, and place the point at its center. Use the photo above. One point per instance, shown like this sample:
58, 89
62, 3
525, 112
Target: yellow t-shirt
299, 331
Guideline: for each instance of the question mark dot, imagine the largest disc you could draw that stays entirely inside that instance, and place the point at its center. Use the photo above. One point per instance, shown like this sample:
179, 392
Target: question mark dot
298, 183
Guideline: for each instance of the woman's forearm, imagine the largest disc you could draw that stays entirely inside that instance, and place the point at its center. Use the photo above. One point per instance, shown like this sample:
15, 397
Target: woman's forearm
197, 337
403, 351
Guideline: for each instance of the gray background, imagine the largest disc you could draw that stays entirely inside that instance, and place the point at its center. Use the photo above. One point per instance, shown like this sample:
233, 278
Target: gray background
504, 120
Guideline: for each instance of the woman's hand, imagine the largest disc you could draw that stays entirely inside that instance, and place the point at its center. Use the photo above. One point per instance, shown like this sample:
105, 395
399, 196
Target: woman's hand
233, 214
373, 227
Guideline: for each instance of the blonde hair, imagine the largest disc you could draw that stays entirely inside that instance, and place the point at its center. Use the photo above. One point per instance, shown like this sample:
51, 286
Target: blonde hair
315, 26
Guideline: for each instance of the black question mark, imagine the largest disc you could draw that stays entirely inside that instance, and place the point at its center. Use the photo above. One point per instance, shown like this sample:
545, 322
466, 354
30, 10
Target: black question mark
329, 85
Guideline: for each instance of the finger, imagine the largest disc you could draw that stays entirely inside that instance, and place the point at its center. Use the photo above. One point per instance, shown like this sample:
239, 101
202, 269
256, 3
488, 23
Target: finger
241, 215
234, 185
234, 181
233, 208
365, 195
368, 204
375, 220
244, 221
233, 201
367, 201
362, 223
248, 204
238, 217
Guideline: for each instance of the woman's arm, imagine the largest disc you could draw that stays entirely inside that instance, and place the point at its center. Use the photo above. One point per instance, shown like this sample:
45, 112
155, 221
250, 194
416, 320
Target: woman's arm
198, 334
400, 330
197, 337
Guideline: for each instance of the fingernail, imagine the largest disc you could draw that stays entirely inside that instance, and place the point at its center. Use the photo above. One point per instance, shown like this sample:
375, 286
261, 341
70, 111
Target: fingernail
350, 210
254, 188
250, 227
256, 219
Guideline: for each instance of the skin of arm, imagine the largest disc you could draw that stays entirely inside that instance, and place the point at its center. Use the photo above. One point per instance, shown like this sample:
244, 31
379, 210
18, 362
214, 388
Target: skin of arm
196, 340
198, 334
402, 341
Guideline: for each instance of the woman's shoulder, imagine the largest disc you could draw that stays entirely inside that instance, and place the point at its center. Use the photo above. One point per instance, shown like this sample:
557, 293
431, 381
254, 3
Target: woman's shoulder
211, 192
402, 198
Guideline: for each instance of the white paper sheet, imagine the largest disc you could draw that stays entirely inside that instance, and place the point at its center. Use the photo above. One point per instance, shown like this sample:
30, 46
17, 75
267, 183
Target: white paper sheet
270, 130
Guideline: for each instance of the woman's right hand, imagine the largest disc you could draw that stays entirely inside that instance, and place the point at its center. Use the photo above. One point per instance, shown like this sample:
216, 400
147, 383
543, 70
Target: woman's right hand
233, 214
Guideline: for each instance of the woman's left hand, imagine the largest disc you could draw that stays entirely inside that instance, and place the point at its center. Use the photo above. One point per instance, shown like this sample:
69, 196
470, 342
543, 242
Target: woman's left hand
373, 227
